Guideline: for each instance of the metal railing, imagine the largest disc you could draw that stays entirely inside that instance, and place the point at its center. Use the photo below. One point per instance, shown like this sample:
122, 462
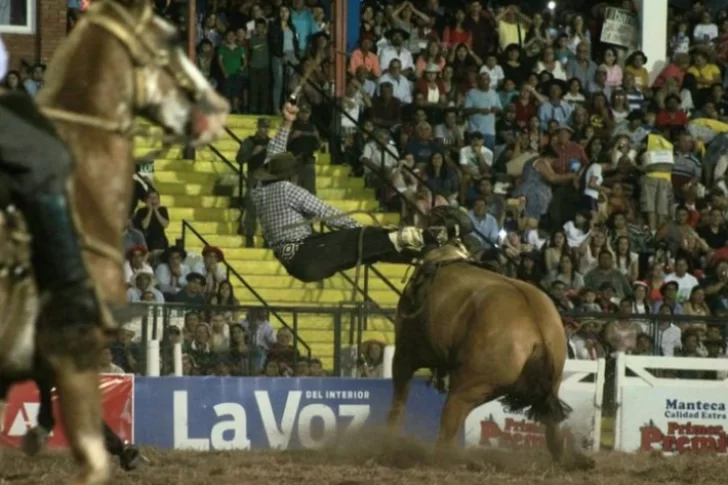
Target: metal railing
186, 226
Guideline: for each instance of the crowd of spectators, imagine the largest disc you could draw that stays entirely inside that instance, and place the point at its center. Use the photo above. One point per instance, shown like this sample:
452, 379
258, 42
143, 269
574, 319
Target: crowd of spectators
602, 184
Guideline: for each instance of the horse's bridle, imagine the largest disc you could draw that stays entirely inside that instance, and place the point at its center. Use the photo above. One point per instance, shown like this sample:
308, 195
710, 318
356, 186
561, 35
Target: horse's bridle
116, 20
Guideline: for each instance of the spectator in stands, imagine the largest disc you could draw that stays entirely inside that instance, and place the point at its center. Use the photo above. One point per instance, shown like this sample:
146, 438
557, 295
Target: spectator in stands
283, 351
253, 153
193, 292
240, 356
284, 45
153, 220
126, 353
371, 362
106, 363
304, 141
136, 261
12, 82
211, 268
171, 273
262, 336
260, 67
486, 225
133, 237
142, 282
37, 80
200, 349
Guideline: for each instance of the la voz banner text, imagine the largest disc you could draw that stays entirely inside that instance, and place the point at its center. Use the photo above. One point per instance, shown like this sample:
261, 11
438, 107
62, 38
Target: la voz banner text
224, 413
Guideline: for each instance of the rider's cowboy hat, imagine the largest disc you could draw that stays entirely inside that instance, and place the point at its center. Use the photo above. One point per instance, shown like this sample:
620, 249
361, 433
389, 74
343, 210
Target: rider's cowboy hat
215, 250
396, 30
279, 167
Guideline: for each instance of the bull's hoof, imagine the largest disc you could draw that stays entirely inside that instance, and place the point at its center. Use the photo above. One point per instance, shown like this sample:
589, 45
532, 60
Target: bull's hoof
131, 459
35, 440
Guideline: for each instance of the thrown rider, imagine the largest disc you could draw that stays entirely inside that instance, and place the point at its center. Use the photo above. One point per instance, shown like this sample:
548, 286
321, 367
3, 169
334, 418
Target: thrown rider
35, 166
286, 210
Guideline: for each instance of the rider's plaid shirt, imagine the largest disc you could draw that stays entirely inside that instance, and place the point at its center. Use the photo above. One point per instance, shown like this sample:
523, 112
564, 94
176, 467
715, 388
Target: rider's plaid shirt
283, 209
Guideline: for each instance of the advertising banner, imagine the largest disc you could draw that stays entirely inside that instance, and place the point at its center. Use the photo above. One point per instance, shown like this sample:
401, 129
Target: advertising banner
224, 413
24, 403
675, 420
620, 28
492, 425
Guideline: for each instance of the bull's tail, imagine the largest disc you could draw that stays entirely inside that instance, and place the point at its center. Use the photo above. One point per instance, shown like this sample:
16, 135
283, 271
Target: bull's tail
534, 391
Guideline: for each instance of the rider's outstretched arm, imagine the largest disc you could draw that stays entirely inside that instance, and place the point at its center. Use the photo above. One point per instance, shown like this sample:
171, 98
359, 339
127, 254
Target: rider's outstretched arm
279, 143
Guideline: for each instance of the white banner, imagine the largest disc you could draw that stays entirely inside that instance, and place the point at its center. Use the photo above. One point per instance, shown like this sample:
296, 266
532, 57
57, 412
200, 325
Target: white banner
620, 28
492, 426
672, 405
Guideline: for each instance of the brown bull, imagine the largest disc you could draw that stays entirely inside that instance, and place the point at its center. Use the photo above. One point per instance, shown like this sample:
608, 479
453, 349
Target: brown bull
495, 337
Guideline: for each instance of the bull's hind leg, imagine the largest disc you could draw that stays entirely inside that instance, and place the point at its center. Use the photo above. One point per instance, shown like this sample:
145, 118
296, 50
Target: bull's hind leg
461, 400
403, 370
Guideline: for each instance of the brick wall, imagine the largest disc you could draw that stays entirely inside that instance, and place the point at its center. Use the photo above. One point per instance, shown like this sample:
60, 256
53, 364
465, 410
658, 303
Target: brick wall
50, 31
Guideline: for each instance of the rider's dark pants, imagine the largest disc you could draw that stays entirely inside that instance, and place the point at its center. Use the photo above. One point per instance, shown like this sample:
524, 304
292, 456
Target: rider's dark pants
323, 255
112, 442
34, 159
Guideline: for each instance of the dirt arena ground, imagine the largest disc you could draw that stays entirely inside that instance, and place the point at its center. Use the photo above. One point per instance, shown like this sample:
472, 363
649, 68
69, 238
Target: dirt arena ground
373, 461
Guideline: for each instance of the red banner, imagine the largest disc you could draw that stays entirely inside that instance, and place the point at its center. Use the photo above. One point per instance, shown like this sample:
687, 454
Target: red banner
117, 392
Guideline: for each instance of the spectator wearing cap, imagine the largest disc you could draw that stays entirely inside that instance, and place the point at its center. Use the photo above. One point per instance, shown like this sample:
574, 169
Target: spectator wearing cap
555, 109
171, 272
431, 87
135, 261
397, 51
143, 282
252, 153
210, 268
401, 86
133, 236
193, 292
303, 142
634, 129
260, 66
364, 57
606, 272
481, 105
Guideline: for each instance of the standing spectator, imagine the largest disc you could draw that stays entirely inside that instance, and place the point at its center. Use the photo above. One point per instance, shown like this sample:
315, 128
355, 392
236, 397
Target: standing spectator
193, 292
482, 25
37, 80
253, 153
260, 69
457, 33
284, 48
153, 220
303, 142
481, 105
366, 58
205, 60
303, 21
232, 61
556, 109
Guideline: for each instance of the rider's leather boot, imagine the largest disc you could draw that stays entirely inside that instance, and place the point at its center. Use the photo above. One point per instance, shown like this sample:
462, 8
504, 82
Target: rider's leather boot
58, 264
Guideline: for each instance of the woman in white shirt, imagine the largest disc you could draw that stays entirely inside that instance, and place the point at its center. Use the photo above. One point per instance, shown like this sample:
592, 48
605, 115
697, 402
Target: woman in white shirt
136, 261
171, 273
706, 31
550, 64
593, 179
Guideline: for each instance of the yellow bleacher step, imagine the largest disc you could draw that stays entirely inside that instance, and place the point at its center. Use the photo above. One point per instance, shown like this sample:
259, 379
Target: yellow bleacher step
336, 282
204, 228
384, 298
197, 201
217, 166
177, 153
234, 122
202, 189
221, 170
203, 214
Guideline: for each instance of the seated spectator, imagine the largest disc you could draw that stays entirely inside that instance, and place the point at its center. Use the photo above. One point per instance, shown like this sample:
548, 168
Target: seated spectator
36, 81
200, 349
430, 59
240, 356
475, 159
152, 220
283, 350
371, 360
365, 58
386, 108
211, 267
171, 273
262, 336
668, 298
106, 364
635, 66
606, 272
219, 333
556, 109
401, 87
487, 230
136, 261
126, 353
193, 292
565, 272
143, 281
621, 335
379, 158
